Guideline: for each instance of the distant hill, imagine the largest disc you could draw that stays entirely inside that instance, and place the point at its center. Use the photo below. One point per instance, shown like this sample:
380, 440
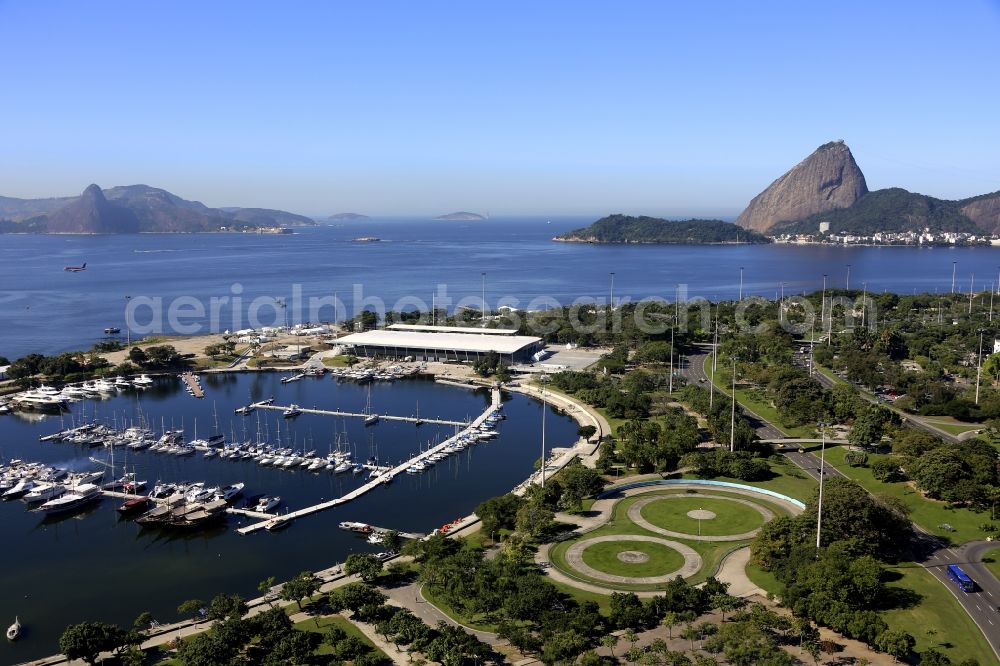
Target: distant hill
460, 215
131, 209
341, 217
828, 186
628, 229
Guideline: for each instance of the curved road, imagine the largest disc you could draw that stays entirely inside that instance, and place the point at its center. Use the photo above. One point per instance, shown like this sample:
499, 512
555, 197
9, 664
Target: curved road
983, 605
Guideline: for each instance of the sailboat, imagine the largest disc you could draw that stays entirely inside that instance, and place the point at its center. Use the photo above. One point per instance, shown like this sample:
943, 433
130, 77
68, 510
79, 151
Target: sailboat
370, 418
14, 630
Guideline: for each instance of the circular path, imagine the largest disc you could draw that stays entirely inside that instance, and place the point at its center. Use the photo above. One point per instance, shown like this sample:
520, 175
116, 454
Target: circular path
574, 558
635, 515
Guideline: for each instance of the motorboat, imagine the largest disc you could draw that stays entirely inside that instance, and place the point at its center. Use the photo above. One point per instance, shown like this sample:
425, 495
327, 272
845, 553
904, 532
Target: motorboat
343, 467
291, 412
75, 497
43, 492
19, 490
134, 505
371, 419
14, 630
279, 523
231, 492
361, 528
142, 381
267, 504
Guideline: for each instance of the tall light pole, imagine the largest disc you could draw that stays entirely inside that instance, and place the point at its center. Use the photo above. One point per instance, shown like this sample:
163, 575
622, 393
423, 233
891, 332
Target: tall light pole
822, 311
612, 292
741, 283
128, 329
822, 475
543, 435
670, 390
979, 364
715, 359
972, 283
484, 300
954, 267
732, 413
848, 277
991, 302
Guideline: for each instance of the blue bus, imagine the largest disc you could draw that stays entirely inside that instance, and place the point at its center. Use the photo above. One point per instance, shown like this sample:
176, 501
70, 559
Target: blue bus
961, 578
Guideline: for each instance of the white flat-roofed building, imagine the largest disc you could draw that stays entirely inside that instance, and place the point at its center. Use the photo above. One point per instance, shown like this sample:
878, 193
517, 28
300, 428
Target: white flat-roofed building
469, 330
442, 344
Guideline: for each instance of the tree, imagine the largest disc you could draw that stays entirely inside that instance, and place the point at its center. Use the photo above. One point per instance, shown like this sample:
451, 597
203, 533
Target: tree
610, 641
563, 647
295, 647
301, 587
226, 606
205, 649
266, 588
392, 541
354, 596
192, 608
138, 356
534, 518
869, 426
350, 648
88, 639
579, 482
499, 512
886, 470
365, 565
669, 621
895, 642
143, 621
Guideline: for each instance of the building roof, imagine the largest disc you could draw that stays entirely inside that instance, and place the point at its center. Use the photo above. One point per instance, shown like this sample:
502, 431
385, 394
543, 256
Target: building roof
477, 330
502, 344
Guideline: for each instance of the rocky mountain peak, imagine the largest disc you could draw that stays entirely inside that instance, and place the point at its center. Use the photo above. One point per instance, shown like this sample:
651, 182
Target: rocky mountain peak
828, 179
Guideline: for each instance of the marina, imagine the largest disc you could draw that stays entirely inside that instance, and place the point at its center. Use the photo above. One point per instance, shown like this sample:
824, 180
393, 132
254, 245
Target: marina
389, 475
173, 563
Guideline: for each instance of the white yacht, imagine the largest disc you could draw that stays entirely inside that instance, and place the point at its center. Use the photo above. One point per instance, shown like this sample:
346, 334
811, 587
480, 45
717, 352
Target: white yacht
142, 381
76, 497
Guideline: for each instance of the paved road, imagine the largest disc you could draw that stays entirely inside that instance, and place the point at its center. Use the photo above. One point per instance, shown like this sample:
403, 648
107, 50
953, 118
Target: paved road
693, 370
802, 360
930, 552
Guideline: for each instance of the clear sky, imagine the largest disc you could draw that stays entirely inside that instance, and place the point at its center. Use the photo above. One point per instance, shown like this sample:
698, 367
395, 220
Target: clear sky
509, 107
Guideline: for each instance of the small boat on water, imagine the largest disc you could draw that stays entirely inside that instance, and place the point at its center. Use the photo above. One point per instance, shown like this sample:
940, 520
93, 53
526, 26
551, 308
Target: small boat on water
266, 504
291, 412
350, 526
76, 497
279, 523
134, 505
14, 630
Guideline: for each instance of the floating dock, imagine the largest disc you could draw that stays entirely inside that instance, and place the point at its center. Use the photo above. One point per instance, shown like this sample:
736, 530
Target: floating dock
374, 483
361, 415
193, 385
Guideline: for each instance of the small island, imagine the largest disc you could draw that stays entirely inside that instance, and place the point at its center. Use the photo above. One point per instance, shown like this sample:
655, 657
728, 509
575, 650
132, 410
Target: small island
643, 229
340, 217
460, 215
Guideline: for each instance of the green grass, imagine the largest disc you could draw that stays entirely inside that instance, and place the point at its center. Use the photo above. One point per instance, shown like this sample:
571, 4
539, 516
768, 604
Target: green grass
580, 596
339, 361
604, 557
788, 480
763, 579
730, 517
927, 513
761, 408
321, 625
952, 631
991, 560
952, 427
711, 552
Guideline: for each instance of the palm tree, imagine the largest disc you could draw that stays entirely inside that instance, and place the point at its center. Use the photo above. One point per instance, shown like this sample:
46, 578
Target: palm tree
668, 621
610, 641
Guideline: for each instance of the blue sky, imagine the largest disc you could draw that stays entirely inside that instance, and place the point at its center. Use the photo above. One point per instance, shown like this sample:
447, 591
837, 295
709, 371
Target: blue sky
513, 108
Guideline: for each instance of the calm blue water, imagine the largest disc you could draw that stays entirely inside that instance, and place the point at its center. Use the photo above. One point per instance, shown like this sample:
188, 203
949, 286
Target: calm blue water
98, 566
44, 309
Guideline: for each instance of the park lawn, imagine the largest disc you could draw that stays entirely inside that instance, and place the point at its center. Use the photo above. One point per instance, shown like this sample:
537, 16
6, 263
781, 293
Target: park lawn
321, 625
788, 480
991, 560
763, 579
712, 552
604, 557
731, 518
603, 601
339, 361
929, 514
761, 408
938, 611
952, 427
